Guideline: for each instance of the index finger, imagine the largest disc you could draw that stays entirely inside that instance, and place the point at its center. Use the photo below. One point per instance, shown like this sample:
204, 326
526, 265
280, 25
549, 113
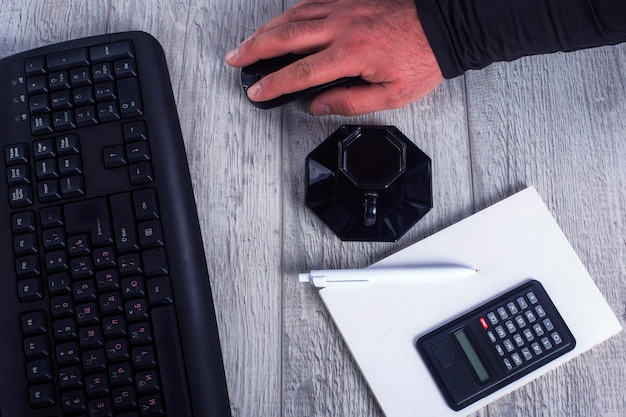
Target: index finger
311, 71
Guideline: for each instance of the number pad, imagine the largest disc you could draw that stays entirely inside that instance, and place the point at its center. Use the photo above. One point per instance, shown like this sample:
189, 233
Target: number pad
521, 329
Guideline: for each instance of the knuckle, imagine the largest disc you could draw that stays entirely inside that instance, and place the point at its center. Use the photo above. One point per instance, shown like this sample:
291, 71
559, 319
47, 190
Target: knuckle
349, 108
302, 70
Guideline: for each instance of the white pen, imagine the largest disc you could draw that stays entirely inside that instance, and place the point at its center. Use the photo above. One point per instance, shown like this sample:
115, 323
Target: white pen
370, 276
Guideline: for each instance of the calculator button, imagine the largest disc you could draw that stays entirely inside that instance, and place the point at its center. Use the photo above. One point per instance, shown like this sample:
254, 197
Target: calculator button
512, 308
528, 334
520, 321
526, 353
501, 332
493, 319
536, 348
522, 303
507, 364
519, 341
510, 326
530, 316
548, 324
540, 311
557, 338
538, 329
502, 312
499, 350
491, 336
516, 359
532, 297
508, 345
547, 345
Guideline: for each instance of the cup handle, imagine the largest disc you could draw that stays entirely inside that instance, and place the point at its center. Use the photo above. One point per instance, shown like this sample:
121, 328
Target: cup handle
369, 208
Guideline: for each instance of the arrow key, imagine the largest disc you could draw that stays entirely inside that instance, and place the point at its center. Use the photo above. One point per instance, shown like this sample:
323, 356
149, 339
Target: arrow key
114, 156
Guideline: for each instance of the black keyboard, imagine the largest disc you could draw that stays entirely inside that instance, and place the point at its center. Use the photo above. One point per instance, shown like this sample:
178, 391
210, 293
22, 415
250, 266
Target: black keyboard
105, 303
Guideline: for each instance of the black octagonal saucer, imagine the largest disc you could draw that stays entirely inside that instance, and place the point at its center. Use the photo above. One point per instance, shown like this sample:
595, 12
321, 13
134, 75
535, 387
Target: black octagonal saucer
368, 183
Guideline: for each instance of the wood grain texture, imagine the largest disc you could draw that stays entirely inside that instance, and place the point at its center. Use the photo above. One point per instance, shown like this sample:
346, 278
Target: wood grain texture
556, 122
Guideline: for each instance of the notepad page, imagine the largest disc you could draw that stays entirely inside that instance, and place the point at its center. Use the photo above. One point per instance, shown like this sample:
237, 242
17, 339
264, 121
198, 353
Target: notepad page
509, 242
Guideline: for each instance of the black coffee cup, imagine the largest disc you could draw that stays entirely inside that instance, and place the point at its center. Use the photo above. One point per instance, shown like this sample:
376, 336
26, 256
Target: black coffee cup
368, 183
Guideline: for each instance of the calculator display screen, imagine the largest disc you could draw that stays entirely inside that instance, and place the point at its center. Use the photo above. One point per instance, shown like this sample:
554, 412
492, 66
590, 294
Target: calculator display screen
470, 352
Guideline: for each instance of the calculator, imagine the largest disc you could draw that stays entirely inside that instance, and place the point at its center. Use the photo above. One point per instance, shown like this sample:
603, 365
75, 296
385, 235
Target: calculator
495, 344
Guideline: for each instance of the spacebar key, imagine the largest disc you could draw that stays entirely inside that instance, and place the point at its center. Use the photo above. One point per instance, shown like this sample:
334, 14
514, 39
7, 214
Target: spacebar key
171, 363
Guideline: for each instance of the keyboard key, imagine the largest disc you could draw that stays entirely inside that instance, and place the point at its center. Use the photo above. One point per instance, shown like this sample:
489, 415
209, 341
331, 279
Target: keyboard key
121, 374
125, 68
29, 289
59, 80
124, 398
39, 370
27, 266
67, 354
74, 402
46, 169
136, 310
124, 225
146, 206
37, 85
155, 262
90, 216
65, 329
147, 381
36, 347
97, 385
86, 116
39, 104
35, 66
44, 149
160, 292
111, 51
25, 244
61, 100
23, 222
16, 154
100, 408
151, 406
114, 156
63, 120
141, 173
164, 323
129, 97
108, 112
80, 77
41, 395
135, 131
67, 59
70, 378
102, 72
41, 124
34, 322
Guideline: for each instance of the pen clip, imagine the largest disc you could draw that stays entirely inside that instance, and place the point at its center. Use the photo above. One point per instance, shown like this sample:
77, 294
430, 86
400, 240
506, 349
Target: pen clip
321, 281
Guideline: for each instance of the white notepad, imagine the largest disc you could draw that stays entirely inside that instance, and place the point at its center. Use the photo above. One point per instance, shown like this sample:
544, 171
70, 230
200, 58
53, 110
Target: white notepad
510, 242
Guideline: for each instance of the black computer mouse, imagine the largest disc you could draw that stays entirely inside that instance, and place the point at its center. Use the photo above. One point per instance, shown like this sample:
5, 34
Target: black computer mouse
254, 72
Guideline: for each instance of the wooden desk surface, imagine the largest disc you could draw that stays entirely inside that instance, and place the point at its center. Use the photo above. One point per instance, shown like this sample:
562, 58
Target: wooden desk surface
557, 122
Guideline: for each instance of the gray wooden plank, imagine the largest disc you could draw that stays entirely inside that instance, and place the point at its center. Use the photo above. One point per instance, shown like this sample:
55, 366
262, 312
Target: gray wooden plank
556, 122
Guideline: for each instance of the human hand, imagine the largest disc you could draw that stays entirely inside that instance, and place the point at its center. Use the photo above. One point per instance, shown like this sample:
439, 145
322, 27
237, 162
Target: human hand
381, 41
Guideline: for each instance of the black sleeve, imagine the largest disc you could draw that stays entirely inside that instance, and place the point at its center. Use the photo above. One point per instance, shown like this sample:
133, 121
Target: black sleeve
471, 34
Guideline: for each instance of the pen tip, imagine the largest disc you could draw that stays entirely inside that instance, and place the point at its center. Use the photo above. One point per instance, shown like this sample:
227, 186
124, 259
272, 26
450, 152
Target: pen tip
304, 277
